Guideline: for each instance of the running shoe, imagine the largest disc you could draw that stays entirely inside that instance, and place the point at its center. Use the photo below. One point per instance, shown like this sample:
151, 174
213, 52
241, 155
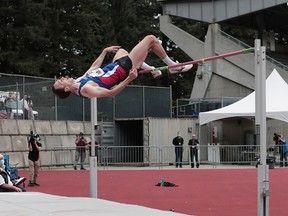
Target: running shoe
156, 73
180, 69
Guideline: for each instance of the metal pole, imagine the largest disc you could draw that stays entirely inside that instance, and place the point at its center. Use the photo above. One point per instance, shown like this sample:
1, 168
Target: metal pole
171, 105
93, 158
143, 103
17, 99
83, 109
177, 104
260, 128
55, 103
23, 93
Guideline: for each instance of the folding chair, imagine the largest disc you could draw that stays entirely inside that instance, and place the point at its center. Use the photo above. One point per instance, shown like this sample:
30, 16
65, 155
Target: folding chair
12, 168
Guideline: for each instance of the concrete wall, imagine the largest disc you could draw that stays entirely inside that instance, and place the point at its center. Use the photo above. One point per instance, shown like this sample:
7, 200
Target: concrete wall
227, 77
216, 11
14, 135
156, 132
161, 132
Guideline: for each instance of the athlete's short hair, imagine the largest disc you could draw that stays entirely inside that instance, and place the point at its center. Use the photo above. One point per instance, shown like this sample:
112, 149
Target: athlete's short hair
60, 93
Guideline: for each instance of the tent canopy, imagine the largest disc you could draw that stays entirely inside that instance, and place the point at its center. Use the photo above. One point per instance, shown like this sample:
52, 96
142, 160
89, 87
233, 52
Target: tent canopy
276, 103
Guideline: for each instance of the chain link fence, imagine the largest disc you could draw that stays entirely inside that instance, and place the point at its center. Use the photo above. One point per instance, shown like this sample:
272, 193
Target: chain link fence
132, 102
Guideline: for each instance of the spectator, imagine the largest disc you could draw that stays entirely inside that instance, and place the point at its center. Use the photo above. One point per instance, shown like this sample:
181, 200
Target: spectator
9, 100
30, 108
6, 185
194, 146
80, 153
34, 146
25, 107
96, 148
282, 150
178, 143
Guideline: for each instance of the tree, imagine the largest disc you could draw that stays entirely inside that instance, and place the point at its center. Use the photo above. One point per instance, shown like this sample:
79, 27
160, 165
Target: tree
44, 37
63, 37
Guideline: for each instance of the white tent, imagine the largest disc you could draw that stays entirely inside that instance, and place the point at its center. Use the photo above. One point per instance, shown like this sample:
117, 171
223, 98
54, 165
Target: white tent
276, 103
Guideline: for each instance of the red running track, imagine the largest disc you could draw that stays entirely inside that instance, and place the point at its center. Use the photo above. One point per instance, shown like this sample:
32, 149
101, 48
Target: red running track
201, 192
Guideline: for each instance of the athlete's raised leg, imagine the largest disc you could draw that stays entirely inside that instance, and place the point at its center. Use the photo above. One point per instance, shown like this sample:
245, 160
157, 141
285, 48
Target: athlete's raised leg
151, 43
119, 54
140, 51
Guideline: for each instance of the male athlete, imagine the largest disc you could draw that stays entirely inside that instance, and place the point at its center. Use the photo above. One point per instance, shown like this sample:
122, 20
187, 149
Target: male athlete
113, 78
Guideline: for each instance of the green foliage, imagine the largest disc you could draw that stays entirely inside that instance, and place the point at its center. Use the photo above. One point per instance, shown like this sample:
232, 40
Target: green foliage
52, 37
48, 36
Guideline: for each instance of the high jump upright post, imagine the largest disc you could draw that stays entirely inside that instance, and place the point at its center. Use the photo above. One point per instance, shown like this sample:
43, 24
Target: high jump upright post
93, 158
260, 128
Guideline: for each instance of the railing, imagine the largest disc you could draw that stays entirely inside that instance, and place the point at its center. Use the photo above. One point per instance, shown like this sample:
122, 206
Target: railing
237, 41
213, 154
47, 107
145, 156
192, 107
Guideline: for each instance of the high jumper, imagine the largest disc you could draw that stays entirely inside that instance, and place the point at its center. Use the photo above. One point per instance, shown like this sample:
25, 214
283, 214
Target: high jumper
111, 79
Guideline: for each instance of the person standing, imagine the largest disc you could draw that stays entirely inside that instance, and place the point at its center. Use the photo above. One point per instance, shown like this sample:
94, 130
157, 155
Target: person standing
30, 108
80, 153
194, 146
178, 143
282, 150
25, 107
9, 100
97, 146
34, 146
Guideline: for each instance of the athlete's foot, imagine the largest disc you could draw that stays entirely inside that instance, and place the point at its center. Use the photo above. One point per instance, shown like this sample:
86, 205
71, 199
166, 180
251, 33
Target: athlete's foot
156, 73
180, 69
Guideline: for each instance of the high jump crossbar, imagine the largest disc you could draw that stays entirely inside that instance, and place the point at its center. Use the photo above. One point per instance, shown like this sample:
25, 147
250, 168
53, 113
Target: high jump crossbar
243, 51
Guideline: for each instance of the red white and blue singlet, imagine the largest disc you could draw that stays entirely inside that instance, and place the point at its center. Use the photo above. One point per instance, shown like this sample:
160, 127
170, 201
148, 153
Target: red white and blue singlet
106, 77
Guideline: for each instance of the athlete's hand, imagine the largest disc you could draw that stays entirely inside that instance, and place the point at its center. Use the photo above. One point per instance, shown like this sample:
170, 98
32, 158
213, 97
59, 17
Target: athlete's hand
113, 49
133, 74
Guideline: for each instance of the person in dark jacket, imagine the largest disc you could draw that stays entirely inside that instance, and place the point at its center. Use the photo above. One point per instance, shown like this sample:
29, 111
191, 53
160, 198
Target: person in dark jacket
80, 153
282, 150
34, 146
194, 146
178, 143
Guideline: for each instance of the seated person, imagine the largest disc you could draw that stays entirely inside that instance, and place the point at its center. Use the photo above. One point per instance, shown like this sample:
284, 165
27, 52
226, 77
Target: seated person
6, 184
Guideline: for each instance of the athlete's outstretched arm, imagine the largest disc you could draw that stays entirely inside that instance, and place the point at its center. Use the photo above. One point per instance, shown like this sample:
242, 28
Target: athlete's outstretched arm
97, 63
97, 92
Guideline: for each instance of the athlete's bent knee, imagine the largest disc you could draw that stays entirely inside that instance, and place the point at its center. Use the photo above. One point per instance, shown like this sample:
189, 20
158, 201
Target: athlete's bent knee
120, 53
151, 38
